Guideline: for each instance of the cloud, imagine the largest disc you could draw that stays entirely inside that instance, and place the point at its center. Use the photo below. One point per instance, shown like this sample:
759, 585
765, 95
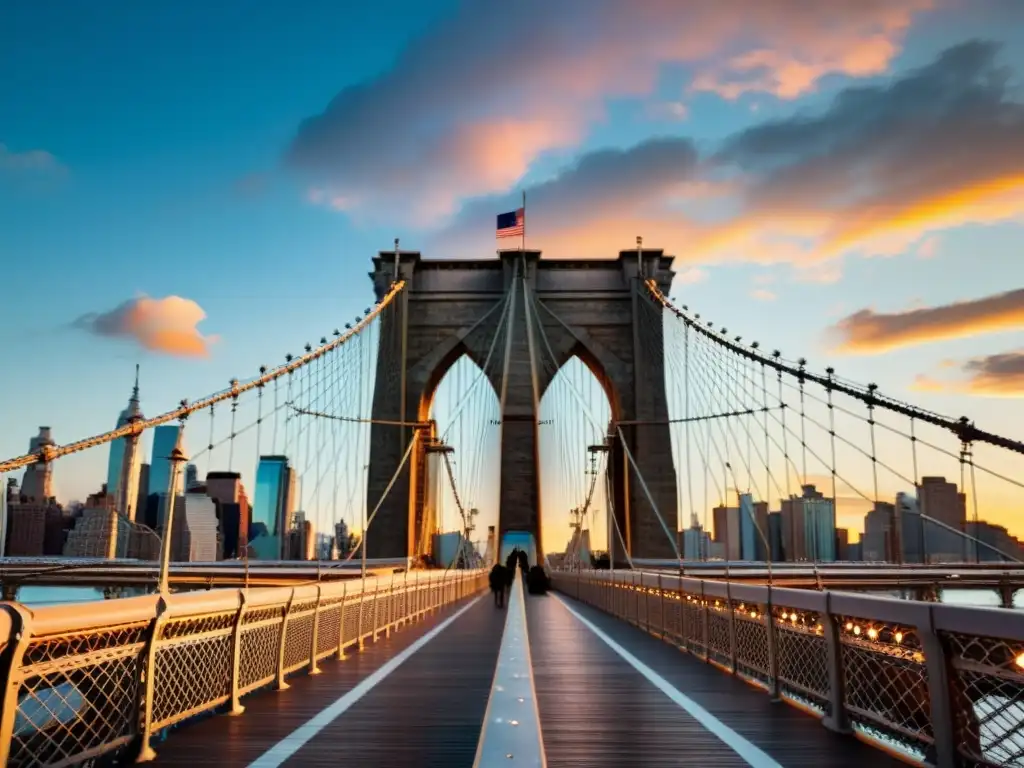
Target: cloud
617, 188
1000, 375
33, 161
468, 107
880, 170
868, 332
166, 325
885, 165
762, 294
690, 276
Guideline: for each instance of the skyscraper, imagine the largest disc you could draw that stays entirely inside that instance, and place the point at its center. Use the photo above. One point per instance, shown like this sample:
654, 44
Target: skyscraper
36, 485
123, 464
165, 437
272, 506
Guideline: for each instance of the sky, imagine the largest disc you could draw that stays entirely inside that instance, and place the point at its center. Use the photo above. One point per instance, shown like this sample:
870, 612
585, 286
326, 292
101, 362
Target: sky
199, 188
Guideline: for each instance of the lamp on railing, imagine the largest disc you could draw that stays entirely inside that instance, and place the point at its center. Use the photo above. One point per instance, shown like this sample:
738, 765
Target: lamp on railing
176, 459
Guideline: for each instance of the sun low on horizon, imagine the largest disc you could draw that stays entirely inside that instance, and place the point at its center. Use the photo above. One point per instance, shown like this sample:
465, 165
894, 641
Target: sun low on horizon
200, 192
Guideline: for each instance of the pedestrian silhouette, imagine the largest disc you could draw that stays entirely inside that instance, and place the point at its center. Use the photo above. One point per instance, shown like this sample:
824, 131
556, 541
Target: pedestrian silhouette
499, 583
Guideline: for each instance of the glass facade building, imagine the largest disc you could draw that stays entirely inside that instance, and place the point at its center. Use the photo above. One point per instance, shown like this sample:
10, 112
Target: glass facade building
272, 506
165, 437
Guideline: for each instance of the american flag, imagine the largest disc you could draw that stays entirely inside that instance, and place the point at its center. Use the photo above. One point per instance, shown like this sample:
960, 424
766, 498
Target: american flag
512, 224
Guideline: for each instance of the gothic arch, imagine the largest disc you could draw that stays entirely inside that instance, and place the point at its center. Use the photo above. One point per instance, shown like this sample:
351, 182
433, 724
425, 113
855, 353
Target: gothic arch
583, 308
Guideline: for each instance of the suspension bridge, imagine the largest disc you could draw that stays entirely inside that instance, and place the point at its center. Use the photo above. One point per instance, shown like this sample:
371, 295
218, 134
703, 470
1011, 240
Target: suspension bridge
520, 388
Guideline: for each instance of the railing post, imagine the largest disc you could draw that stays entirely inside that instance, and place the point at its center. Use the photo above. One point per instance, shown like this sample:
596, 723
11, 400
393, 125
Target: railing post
406, 607
236, 656
389, 619
359, 629
937, 670
148, 687
705, 629
661, 608
313, 668
836, 720
282, 644
773, 649
341, 629
20, 638
376, 606
733, 650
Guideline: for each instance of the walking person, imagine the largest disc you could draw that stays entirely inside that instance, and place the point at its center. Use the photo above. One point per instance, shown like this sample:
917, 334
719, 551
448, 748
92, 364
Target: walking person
498, 582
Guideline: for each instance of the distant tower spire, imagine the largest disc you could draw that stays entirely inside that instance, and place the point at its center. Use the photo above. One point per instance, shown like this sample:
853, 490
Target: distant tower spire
128, 472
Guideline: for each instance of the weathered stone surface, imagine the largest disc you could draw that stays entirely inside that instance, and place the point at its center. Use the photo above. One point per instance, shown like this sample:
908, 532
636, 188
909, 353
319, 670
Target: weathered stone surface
594, 309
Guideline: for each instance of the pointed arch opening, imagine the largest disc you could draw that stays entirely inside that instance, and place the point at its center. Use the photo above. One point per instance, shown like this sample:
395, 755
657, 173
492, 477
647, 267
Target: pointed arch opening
576, 410
462, 405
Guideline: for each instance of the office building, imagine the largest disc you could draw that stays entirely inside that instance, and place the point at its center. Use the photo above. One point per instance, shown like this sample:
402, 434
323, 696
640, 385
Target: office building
272, 507
165, 438
36, 484
753, 528
880, 540
945, 511
124, 461
696, 543
808, 527
233, 511
99, 531
727, 531
194, 533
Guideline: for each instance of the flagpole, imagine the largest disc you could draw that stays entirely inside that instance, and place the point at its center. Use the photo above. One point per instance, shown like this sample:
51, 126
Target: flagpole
523, 242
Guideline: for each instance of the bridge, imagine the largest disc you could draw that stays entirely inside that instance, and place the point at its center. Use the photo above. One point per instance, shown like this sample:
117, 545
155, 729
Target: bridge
714, 628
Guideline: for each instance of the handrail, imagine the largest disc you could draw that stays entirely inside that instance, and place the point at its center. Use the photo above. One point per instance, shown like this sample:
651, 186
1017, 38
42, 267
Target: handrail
75, 681
940, 683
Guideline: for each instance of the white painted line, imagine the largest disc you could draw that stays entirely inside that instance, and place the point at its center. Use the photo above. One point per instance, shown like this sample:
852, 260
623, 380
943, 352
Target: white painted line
293, 742
511, 733
751, 754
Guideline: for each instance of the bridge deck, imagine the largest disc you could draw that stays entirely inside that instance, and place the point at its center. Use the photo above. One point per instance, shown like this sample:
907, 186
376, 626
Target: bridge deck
599, 710
419, 698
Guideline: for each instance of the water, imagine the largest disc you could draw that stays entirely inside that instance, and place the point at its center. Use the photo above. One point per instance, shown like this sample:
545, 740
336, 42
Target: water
38, 597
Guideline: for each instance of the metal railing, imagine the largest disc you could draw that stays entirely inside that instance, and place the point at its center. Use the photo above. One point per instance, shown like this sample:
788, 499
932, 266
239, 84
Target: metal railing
101, 679
940, 683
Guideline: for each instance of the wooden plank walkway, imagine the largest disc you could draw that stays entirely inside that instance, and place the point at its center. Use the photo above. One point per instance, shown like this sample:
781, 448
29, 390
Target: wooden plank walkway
271, 716
428, 713
597, 710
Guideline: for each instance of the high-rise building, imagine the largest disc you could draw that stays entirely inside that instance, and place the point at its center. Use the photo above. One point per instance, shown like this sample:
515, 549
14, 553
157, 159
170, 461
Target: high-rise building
165, 437
808, 527
272, 507
775, 537
753, 528
997, 545
194, 532
124, 461
941, 502
727, 531
36, 485
696, 543
880, 539
99, 531
233, 511
910, 544
143, 497
191, 476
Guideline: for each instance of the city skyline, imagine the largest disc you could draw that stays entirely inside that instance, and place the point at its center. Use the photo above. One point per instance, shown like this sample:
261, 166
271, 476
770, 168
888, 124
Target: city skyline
266, 255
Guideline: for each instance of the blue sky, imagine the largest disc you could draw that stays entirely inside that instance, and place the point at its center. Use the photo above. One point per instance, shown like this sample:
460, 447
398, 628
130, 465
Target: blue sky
160, 149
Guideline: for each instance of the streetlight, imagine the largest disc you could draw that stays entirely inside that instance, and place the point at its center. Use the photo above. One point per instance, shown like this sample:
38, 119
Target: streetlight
177, 458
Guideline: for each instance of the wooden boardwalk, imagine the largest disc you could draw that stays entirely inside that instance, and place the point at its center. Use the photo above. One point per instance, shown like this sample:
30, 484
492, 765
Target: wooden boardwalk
418, 699
597, 710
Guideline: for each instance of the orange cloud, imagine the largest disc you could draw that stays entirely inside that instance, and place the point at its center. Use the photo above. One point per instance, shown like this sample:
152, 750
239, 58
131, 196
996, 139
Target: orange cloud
762, 294
1000, 375
166, 325
869, 332
435, 126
